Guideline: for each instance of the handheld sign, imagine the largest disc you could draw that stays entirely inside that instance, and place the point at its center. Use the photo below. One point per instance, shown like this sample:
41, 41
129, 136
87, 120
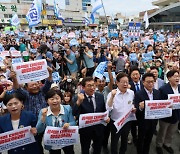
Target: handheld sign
176, 100
91, 119
31, 71
126, 117
59, 137
157, 109
16, 138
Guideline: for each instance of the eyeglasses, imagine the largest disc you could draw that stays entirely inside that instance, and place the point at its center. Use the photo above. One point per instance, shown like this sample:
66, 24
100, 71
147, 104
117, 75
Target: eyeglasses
152, 82
90, 85
124, 82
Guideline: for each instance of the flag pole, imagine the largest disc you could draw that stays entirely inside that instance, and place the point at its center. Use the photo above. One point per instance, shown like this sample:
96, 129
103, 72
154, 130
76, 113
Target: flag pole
104, 12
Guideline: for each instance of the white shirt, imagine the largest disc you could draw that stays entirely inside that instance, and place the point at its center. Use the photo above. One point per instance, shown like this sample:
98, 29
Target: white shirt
121, 103
156, 85
150, 95
49, 112
175, 90
93, 99
15, 124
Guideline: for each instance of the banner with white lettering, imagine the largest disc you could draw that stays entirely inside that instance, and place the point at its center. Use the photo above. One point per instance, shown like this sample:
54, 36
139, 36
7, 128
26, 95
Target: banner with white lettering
157, 109
91, 119
59, 137
16, 138
31, 71
125, 118
176, 100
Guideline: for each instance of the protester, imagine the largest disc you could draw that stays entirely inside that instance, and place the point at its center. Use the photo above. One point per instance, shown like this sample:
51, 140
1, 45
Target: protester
18, 118
56, 115
118, 101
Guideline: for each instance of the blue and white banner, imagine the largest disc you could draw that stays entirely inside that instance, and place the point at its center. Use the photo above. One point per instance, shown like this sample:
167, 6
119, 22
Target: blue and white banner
57, 12
34, 14
56, 77
86, 20
15, 20
17, 60
99, 71
96, 6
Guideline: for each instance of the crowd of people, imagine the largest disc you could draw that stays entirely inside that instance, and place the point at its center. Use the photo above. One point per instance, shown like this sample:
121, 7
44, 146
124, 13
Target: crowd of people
139, 69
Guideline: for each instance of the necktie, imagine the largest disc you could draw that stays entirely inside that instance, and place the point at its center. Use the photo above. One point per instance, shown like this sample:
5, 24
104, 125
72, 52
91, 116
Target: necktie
56, 122
137, 87
91, 102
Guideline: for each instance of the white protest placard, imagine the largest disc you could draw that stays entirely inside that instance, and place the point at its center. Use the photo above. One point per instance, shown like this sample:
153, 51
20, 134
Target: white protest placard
16, 138
17, 60
99, 71
31, 71
176, 100
71, 35
126, 117
15, 53
25, 53
91, 119
59, 137
115, 42
157, 109
4, 53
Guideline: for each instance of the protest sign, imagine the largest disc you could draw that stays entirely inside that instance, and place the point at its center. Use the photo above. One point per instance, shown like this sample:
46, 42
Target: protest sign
17, 60
31, 71
176, 100
106, 75
99, 71
25, 53
91, 119
125, 118
16, 138
15, 53
4, 53
157, 109
56, 77
71, 35
133, 57
115, 42
59, 137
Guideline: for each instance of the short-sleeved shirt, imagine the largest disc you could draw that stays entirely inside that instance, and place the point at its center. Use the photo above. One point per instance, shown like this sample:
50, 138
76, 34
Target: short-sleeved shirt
72, 67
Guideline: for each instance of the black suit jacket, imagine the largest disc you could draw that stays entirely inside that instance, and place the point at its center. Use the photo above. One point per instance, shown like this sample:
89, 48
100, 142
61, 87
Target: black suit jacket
87, 107
164, 91
133, 86
142, 96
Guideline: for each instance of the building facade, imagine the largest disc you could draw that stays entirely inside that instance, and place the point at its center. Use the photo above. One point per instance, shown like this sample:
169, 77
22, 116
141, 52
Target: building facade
167, 16
73, 13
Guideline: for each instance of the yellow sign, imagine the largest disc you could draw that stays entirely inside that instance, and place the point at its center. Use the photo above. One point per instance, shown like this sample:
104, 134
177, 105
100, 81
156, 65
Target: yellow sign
43, 12
51, 22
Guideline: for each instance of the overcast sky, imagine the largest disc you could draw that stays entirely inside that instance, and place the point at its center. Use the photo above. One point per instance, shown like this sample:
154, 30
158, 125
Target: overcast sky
126, 7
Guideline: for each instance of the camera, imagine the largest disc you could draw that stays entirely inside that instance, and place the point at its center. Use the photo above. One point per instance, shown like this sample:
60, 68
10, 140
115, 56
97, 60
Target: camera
81, 51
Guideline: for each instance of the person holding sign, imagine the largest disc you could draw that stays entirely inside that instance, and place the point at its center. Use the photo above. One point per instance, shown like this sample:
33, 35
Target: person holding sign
168, 126
35, 97
145, 127
18, 118
90, 102
56, 115
118, 102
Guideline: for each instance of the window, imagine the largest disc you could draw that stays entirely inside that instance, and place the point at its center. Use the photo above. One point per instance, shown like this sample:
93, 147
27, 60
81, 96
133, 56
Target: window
67, 2
23, 16
19, 16
84, 8
6, 16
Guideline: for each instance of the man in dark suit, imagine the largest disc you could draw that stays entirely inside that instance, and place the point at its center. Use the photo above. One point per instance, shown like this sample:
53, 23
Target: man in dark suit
136, 85
145, 127
168, 126
90, 102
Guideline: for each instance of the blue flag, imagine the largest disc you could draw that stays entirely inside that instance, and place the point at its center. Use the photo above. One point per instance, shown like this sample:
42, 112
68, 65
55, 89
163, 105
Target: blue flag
57, 12
34, 14
96, 6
